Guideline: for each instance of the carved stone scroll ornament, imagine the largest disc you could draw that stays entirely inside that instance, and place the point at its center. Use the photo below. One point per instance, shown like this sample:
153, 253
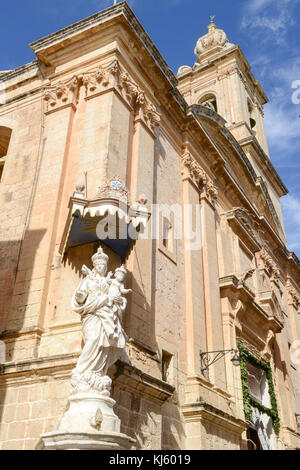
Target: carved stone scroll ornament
138, 100
193, 170
62, 94
293, 296
269, 264
114, 76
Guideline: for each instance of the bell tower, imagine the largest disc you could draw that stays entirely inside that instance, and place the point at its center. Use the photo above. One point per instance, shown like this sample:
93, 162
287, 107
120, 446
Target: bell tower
221, 79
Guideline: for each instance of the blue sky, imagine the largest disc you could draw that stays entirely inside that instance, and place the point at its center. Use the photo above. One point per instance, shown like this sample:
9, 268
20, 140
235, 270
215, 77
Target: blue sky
266, 30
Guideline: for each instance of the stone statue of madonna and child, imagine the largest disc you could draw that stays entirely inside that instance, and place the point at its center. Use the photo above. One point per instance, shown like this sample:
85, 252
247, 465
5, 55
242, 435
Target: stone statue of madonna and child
89, 421
100, 301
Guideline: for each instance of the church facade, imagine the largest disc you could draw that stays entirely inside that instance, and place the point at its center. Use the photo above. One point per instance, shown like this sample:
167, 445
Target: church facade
97, 135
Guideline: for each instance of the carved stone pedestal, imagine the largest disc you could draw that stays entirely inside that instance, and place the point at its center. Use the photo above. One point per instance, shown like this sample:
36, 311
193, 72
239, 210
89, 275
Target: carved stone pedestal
82, 441
88, 424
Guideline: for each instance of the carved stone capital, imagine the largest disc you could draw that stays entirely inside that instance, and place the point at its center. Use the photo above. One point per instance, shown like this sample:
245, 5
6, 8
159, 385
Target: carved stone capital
62, 94
191, 169
101, 79
113, 76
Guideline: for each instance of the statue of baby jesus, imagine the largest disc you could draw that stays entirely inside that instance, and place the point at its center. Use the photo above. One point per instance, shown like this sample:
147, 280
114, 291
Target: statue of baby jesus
117, 290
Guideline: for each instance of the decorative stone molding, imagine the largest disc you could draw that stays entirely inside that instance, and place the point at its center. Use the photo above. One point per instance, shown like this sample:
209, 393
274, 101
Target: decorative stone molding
298, 422
264, 308
62, 94
244, 216
113, 76
114, 188
267, 263
227, 72
251, 230
267, 353
138, 100
271, 305
250, 347
215, 40
101, 79
207, 413
293, 296
246, 227
192, 169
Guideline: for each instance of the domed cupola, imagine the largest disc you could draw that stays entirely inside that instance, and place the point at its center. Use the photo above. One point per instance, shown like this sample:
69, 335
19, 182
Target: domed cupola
213, 42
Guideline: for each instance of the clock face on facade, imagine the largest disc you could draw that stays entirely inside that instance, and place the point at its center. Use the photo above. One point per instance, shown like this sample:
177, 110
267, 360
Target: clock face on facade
116, 185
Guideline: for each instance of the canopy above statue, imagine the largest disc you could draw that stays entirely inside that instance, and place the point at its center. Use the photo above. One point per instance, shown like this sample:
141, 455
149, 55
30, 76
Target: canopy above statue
108, 217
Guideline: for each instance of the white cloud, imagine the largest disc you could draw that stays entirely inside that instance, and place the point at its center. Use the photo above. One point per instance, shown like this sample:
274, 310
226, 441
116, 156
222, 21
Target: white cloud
255, 5
273, 18
291, 213
281, 115
283, 128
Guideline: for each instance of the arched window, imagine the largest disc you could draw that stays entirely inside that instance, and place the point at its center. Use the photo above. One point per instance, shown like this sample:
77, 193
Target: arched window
209, 101
251, 118
5, 135
167, 234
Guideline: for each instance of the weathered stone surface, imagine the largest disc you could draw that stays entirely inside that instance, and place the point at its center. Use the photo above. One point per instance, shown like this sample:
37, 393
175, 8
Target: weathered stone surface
107, 109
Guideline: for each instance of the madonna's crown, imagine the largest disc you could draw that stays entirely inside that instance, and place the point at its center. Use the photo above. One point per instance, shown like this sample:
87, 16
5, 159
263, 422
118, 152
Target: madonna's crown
100, 255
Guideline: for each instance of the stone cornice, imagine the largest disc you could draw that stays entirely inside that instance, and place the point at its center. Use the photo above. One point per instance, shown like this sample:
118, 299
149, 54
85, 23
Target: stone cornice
205, 411
33, 370
250, 229
245, 223
236, 289
60, 38
202, 111
262, 184
125, 376
266, 163
18, 72
133, 380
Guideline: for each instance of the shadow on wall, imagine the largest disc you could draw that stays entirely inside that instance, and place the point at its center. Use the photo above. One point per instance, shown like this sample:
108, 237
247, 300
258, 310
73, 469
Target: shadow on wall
17, 261
146, 421
172, 431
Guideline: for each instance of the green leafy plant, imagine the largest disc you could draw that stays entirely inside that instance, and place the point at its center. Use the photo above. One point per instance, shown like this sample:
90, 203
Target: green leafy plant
250, 401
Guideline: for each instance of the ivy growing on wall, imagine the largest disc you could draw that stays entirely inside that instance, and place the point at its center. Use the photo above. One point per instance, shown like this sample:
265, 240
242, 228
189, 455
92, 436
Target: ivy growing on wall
250, 401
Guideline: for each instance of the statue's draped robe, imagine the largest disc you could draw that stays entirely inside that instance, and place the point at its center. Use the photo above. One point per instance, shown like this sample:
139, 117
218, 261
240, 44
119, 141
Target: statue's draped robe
103, 335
